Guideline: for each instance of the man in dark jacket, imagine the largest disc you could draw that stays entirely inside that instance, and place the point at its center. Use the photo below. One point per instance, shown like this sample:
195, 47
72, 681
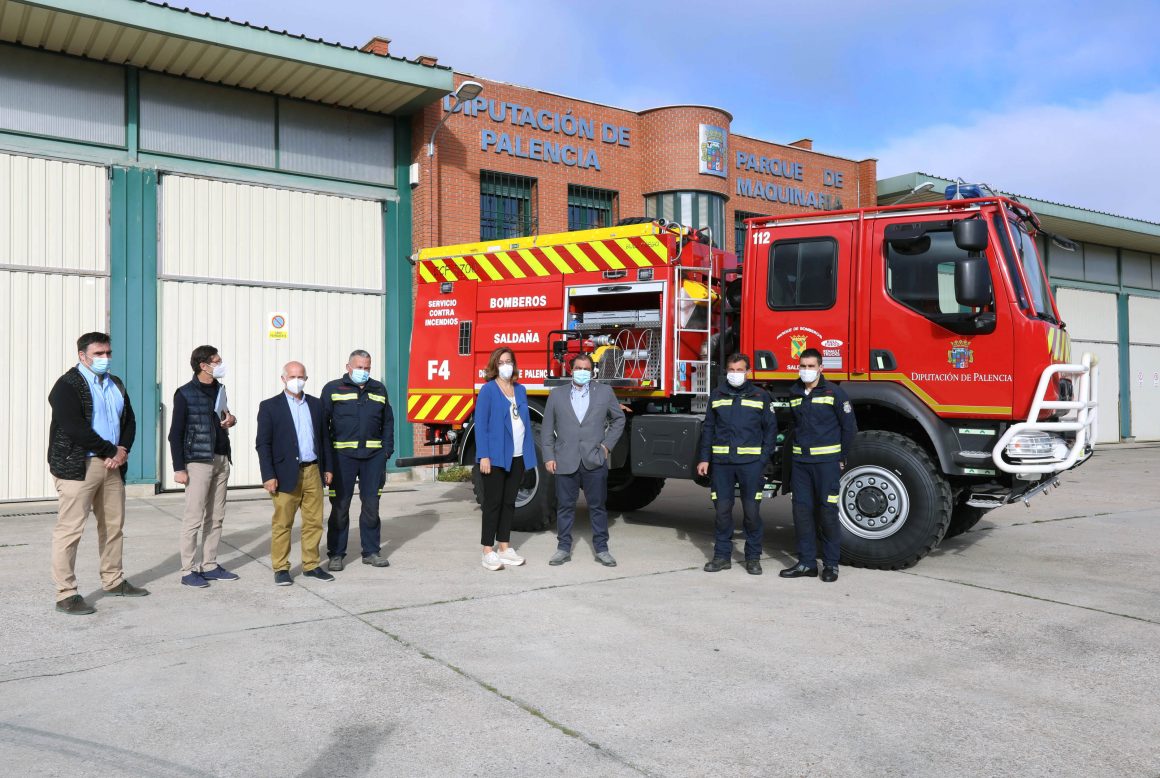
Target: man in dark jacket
199, 445
738, 438
824, 427
90, 435
292, 455
361, 429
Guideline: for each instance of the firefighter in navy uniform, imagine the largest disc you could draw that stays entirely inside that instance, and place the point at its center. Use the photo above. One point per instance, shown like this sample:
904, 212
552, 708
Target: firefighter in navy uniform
357, 418
738, 437
823, 432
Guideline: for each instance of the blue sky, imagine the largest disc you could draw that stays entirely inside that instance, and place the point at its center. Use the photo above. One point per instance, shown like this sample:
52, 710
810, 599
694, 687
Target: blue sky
1054, 100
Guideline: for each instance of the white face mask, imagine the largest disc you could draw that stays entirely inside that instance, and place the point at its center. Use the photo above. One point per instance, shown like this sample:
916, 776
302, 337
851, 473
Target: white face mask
219, 370
506, 370
735, 379
808, 375
295, 385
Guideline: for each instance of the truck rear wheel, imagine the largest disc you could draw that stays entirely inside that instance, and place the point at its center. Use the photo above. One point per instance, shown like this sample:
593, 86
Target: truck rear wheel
895, 505
536, 498
628, 492
963, 519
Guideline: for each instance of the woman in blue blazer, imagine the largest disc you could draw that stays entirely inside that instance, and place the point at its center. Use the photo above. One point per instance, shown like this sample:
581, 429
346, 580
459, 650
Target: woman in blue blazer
504, 450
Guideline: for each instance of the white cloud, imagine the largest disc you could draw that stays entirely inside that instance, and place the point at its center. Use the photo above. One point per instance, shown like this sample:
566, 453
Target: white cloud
1100, 155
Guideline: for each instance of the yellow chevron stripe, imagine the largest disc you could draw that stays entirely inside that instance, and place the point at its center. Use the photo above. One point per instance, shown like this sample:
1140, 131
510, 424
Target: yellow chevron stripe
425, 273
580, 256
640, 259
607, 255
446, 271
657, 247
448, 407
412, 400
511, 265
427, 406
466, 409
555, 258
535, 264
488, 268
464, 268
1051, 341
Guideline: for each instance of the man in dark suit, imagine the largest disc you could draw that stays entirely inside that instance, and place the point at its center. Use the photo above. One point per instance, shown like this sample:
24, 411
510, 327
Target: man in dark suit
292, 451
582, 422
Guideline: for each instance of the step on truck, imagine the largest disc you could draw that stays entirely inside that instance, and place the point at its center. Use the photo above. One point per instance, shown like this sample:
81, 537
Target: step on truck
936, 319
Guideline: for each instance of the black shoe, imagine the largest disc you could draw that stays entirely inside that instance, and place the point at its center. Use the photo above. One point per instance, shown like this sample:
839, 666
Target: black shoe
319, 574
126, 589
335, 564
829, 574
282, 578
374, 560
799, 571
717, 564
753, 566
75, 606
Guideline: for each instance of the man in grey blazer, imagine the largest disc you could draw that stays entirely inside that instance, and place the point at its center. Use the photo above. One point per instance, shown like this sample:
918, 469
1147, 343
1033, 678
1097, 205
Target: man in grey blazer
582, 423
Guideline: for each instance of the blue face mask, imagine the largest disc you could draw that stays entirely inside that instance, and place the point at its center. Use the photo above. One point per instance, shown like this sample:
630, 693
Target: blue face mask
360, 377
100, 365
581, 376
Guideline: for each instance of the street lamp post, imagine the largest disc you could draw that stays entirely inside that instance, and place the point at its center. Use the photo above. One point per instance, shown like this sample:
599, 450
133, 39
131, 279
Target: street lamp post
468, 90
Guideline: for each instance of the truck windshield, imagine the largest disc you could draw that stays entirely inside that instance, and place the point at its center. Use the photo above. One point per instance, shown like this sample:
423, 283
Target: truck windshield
1028, 254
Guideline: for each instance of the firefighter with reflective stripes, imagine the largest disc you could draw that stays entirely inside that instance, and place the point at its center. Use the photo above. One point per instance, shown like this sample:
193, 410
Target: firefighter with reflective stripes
738, 437
823, 431
360, 427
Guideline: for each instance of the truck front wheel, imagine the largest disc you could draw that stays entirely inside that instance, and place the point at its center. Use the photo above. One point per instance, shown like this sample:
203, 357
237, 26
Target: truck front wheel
963, 519
894, 504
628, 492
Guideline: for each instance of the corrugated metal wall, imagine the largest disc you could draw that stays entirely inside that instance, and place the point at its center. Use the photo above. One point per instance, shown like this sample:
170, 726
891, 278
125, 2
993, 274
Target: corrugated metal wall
223, 232
341, 144
1144, 337
219, 230
1091, 320
62, 97
52, 215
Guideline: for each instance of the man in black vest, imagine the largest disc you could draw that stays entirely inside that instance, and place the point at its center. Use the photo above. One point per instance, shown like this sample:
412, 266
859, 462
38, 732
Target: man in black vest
89, 438
199, 444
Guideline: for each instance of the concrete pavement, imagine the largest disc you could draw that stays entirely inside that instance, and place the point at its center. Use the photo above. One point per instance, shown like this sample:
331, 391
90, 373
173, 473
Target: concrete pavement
1027, 646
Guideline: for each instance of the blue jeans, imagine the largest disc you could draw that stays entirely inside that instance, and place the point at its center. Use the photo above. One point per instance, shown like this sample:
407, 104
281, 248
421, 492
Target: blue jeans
595, 486
815, 497
748, 478
370, 473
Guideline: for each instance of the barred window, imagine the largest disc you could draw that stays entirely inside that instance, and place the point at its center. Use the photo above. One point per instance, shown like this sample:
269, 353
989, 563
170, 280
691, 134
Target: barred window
506, 206
589, 208
739, 218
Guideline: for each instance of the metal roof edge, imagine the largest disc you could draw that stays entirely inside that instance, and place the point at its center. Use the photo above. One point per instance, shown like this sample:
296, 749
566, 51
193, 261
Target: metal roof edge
190, 25
907, 181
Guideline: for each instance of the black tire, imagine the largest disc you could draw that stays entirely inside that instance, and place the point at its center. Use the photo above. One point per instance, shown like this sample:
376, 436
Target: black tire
890, 471
963, 519
536, 502
628, 492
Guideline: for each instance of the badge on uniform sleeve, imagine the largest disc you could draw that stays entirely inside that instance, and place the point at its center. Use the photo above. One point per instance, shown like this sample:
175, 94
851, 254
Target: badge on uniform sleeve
846, 407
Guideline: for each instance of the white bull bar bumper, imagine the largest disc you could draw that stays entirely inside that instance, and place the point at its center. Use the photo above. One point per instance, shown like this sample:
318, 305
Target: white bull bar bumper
1081, 420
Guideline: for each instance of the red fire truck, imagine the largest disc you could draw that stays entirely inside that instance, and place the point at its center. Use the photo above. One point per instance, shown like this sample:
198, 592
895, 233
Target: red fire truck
937, 320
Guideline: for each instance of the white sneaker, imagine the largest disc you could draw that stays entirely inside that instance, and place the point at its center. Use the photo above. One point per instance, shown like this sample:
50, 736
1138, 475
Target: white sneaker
491, 561
510, 558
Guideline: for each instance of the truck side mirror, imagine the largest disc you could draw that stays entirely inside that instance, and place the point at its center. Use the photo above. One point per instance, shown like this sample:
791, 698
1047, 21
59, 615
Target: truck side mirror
972, 280
970, 234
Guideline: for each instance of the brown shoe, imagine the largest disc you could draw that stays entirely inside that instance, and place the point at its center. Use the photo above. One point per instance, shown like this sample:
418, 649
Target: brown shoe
126, 589
75, 606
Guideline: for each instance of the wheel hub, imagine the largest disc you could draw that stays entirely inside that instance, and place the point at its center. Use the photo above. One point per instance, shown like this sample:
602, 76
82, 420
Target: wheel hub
873, 502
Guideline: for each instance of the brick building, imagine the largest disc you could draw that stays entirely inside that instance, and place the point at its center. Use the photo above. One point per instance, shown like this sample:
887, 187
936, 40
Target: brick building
518, 161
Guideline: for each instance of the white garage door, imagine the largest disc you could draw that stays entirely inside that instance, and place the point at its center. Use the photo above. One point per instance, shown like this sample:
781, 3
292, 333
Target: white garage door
54, 266
232, 255
1144, 337
1091, 320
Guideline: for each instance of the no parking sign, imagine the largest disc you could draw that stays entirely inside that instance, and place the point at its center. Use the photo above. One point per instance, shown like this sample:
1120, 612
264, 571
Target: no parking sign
278, 325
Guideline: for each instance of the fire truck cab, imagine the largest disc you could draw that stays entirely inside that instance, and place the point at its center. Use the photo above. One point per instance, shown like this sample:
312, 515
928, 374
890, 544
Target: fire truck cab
936, 319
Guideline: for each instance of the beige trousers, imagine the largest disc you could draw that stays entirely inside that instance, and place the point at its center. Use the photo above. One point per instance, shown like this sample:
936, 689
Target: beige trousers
102, 492
307, 495
205, 509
